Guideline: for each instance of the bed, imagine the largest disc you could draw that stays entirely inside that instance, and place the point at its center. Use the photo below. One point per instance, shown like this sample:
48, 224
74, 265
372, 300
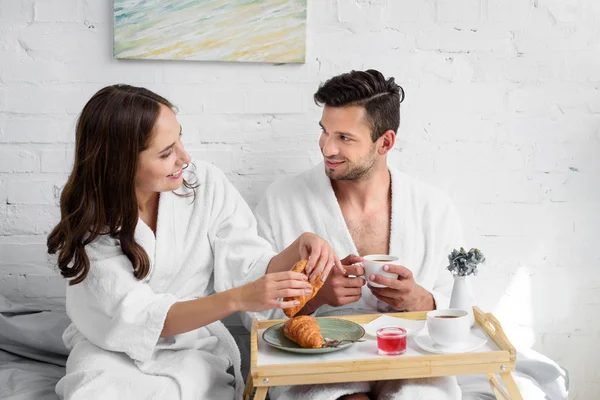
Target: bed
33, 357
32, 354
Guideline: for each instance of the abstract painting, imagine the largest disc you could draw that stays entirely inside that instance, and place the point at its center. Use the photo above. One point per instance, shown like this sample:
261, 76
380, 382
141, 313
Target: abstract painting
272, 31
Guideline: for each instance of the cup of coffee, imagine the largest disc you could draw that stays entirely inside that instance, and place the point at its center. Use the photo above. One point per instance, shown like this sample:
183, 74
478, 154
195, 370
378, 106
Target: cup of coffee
373, 264
448, 328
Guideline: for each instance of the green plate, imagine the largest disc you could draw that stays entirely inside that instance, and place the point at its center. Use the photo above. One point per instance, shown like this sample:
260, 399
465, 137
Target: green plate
331, 329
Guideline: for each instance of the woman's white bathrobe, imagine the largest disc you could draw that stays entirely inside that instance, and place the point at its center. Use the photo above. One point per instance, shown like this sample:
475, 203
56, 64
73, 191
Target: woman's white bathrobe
424, 230
201, 247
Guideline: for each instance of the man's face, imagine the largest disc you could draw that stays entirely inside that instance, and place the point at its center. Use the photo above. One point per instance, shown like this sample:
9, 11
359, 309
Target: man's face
345, 142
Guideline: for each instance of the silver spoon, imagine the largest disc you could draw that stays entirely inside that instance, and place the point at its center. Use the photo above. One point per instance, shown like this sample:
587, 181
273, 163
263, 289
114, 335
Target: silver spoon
337, 343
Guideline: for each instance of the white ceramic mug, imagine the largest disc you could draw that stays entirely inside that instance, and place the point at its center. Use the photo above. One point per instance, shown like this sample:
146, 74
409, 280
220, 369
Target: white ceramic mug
448, 328
373, 264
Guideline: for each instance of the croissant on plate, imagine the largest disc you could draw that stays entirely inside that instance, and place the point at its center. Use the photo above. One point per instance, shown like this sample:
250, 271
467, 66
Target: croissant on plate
300, 266
304, 330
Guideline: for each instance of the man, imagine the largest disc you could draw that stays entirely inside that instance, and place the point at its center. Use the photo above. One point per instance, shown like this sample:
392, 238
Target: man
362, 206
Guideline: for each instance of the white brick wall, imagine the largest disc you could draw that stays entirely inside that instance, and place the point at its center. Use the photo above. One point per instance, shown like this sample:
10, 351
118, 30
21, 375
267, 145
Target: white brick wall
502, 111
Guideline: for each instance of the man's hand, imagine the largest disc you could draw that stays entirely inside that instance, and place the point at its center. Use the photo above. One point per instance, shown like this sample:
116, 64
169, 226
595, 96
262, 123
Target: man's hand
403, 294
339, 289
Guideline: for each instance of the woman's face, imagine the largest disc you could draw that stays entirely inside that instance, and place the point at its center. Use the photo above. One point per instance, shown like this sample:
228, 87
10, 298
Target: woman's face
160, 165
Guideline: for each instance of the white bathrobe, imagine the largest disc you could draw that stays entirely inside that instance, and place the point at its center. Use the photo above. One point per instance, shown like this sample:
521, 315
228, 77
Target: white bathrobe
201, 246
424, 230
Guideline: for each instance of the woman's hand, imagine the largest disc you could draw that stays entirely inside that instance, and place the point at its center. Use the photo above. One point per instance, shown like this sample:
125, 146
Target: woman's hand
320, 255
263, 293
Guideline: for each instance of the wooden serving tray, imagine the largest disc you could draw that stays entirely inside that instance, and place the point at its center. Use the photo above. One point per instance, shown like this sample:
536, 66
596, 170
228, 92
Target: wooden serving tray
500, 360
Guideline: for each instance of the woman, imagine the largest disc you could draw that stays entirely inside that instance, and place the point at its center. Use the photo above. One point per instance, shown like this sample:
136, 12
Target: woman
156, 256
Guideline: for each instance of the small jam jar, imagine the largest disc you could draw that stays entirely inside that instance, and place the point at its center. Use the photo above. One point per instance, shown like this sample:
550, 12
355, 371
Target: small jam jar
391, 341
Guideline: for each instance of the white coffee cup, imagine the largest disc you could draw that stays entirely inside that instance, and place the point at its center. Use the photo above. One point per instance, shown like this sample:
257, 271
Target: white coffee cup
448, 328
373, 264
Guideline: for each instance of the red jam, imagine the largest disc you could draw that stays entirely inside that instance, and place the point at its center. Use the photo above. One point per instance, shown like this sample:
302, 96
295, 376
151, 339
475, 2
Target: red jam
391, 341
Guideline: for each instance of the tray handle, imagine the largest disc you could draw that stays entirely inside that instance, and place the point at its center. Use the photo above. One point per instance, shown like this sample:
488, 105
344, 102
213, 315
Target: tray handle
492, 327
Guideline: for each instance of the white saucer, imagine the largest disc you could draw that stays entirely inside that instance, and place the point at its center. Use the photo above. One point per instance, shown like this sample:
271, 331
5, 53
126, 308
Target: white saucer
412, 326
474, 342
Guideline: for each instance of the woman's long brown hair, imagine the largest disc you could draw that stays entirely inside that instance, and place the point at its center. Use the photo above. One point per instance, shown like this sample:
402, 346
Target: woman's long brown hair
99, 197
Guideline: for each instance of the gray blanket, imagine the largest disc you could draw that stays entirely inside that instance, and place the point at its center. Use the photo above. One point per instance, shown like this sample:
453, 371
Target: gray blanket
32, 354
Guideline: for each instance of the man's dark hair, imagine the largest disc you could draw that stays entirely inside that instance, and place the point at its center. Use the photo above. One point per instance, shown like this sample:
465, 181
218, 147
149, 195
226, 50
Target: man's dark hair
381, 98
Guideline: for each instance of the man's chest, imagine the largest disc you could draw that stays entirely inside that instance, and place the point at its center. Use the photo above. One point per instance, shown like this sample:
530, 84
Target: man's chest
370, 233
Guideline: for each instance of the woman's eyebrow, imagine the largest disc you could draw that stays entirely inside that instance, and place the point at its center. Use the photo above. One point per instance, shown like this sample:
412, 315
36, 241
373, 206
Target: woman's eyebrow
172, 144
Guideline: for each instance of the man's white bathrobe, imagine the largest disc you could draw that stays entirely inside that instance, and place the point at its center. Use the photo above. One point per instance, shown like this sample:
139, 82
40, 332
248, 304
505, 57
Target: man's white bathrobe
424, 230
201, 246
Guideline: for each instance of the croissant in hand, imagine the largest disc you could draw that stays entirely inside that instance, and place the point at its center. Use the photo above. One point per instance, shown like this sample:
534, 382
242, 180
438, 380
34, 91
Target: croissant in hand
300, 266
304, 330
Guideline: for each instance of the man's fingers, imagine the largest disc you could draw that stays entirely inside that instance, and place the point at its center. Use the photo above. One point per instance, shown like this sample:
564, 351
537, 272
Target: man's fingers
354, 282
348, 291
401, 287
385, 292
386, 300
349, 299
351, 259
354, 270
403, 272
389, 282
